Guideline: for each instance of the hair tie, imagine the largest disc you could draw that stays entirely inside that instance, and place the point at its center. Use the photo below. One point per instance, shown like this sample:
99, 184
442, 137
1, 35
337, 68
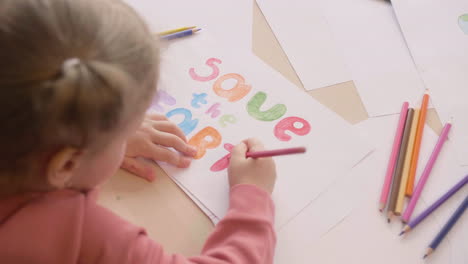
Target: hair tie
71, 62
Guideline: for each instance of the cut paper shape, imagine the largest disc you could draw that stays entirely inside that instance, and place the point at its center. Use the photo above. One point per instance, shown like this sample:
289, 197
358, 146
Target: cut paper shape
306, 38
439, 51
382, 79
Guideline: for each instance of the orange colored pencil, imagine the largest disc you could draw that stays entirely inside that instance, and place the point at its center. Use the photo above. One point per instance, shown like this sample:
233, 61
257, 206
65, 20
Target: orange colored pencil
417, 145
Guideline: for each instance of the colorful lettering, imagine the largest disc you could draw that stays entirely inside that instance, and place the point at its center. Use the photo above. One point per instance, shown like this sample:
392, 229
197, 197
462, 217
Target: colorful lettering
214, 111
253, 108
198, 99
162, 97
223, 163
211, 63
291, 124
207, 138
187, 125
234, 94
227, 119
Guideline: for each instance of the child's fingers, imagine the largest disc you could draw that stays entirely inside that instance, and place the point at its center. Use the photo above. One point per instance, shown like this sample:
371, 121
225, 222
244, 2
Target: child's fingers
254, 144
169, 127
238, 152
159, 153
139, 168
157, 117
172, 141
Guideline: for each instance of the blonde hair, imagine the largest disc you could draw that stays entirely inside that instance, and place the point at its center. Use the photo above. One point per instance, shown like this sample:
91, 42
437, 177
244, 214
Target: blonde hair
71, 72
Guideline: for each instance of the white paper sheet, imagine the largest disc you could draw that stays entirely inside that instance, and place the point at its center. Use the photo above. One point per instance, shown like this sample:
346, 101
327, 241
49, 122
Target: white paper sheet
363, 236
307, 41
332, 145
375, 52
230, 21
214, 219
437, 34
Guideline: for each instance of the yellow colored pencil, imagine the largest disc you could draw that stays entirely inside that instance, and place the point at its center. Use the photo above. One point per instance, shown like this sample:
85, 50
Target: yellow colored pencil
172, 31
407, 164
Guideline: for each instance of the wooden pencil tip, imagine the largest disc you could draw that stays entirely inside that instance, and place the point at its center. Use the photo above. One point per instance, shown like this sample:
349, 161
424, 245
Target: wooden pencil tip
381, 207
429, 252
389, 216
401, 233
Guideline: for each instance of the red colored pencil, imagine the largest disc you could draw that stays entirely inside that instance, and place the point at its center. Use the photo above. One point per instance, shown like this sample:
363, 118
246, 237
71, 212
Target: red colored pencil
276, 152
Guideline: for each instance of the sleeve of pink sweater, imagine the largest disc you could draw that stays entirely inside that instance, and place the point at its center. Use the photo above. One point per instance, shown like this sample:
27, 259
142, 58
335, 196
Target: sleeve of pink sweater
244, 235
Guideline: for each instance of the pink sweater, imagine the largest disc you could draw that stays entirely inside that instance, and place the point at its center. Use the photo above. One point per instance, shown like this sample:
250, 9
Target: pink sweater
69, 227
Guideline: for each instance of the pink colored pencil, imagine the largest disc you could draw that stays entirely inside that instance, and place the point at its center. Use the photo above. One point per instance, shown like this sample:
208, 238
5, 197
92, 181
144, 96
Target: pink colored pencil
393, 156
276, 152
427, 171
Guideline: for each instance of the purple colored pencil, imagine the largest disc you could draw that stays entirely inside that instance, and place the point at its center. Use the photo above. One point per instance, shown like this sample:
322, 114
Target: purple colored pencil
413, 223
427, 171
446, 228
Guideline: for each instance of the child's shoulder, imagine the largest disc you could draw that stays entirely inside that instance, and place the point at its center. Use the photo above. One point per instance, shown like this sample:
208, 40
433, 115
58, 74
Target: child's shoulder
43, 221
69, 222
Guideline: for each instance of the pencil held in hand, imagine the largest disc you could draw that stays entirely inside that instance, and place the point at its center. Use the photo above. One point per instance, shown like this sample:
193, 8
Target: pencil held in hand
276, 152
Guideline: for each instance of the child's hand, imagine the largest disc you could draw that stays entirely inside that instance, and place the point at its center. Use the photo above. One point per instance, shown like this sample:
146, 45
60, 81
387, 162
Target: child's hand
260, 172
151, 141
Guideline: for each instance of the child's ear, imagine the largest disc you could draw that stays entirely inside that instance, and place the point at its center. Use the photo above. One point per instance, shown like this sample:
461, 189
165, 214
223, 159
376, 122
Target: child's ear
62, 167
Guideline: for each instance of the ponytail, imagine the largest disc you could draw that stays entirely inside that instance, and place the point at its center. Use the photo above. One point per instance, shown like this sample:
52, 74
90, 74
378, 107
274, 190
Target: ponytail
71, 73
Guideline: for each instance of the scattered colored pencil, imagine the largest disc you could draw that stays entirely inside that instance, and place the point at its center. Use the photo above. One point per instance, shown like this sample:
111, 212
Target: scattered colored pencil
417, 145
399, 167
427, 171
393, 157
413, 223
180, 34
444, 231
276, 152
407, 163
172, 31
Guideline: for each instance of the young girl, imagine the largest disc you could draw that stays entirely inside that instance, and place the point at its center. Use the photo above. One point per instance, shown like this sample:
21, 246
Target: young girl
75, 79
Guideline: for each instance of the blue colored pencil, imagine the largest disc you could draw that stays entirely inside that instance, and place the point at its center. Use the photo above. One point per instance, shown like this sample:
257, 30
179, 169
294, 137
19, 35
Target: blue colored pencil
450, 223
180, 34
413, 223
